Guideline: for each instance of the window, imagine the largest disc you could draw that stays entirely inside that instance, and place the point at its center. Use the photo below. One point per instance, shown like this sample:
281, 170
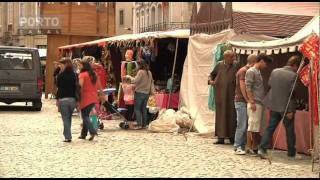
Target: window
15, 60
10, 12
1, 16
132, 16
138, 22
153, 16
37, 9
21, 9
121, 16
159, 14
42, 46
147, 18
10, 27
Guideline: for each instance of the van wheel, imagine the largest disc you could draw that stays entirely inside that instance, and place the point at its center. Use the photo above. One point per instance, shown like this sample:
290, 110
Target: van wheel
37, 105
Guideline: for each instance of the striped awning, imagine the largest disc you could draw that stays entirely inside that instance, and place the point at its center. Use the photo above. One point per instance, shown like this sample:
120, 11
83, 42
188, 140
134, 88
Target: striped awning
276, 25
279, 45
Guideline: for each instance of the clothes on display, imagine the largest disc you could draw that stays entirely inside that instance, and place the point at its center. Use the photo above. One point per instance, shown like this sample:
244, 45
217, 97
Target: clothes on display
128, 91
101, 73
138, 54
310, 49
147, 54
129, 68
132, 68
123, 69
107, 63
122, 51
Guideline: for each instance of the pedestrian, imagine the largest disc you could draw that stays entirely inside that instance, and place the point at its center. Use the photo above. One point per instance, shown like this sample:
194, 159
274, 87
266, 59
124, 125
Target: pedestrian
66, 95
144, 87
281, 83
90, 84
223, 78
241, 100
255, 109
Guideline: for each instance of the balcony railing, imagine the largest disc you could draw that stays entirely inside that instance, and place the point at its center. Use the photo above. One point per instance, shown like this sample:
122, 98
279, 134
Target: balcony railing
165, 27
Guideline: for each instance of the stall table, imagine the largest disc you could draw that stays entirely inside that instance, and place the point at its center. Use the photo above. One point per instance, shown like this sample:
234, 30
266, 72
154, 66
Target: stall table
163, 98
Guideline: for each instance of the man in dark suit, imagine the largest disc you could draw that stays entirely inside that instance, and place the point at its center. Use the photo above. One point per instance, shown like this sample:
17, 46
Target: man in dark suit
281, 82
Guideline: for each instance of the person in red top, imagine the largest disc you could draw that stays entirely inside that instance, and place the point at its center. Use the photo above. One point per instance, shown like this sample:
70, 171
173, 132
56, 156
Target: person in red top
90, 83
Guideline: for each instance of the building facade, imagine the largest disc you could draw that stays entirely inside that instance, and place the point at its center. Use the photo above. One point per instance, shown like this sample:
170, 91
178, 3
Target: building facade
161, 16
79, 22
124, 18
11, 16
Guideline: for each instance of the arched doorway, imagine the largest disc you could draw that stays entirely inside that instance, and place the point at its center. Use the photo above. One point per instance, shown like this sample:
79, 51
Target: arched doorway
153, 16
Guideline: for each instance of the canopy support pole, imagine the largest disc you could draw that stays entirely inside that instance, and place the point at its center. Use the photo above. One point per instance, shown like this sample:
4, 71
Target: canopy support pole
173, 71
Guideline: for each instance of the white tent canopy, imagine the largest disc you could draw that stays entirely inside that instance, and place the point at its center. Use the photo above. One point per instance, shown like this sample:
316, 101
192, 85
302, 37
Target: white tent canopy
180, 33
288, 44
194, 89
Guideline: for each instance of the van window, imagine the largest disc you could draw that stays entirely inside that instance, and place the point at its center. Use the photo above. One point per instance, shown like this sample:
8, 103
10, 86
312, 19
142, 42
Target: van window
15, 60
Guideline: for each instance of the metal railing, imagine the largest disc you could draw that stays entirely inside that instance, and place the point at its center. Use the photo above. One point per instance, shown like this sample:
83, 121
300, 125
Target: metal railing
165, 27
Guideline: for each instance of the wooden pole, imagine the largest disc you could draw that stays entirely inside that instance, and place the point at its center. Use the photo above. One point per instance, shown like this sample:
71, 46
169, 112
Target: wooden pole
173, 71
311, 104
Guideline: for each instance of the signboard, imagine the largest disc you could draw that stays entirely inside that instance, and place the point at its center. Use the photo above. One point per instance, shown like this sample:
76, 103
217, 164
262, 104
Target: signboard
23, 32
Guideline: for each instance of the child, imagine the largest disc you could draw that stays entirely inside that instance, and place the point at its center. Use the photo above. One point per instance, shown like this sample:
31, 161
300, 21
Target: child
128, 91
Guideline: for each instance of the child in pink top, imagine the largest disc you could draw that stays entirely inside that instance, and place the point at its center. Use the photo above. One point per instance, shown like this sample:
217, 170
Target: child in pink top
128, 91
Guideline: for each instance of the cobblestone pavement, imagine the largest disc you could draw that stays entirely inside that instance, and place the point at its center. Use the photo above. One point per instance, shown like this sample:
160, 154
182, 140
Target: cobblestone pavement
31, 146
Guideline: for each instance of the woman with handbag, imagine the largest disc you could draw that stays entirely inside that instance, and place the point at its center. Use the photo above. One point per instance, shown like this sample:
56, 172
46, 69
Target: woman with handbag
90, 84
67, 95
144, 87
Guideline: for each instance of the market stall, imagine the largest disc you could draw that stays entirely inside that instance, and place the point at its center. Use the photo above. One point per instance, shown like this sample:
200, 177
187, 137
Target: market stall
165, 53
281, 50
203, 50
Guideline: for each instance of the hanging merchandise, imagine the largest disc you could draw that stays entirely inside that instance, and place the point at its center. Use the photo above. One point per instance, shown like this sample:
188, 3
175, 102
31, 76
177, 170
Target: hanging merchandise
310, 49
123, 52
171, 47
156, 50
123, 69
129, 66
132, 68
146, 54
304, 75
